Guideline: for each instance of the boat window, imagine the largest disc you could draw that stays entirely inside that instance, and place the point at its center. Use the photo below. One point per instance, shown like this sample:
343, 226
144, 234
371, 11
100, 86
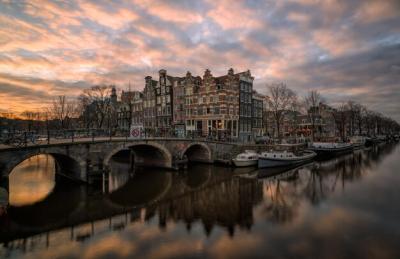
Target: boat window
274, 155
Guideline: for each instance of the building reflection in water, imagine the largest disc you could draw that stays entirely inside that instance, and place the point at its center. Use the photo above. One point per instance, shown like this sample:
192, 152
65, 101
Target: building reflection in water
204, 196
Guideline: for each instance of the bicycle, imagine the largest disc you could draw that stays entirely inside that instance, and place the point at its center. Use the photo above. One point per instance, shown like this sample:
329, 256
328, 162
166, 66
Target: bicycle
31, 137
12, 140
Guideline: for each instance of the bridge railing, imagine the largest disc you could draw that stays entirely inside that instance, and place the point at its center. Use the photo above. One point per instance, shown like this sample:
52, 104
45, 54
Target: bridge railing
34, 138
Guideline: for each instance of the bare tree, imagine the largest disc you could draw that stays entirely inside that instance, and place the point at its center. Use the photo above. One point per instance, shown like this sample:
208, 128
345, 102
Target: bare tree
280, 100
97, 105
354, 116
294, 108
360, 118
340, 116
312, 101
29, 116
62, 110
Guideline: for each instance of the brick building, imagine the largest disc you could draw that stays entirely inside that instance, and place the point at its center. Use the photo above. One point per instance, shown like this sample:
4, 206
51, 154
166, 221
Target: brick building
149, 104
257, 114
203, 106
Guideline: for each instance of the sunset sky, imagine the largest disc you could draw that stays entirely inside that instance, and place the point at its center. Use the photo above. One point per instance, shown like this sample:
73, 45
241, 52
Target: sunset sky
346, 49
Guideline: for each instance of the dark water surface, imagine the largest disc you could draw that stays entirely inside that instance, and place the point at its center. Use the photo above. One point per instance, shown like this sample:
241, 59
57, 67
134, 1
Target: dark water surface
346, 207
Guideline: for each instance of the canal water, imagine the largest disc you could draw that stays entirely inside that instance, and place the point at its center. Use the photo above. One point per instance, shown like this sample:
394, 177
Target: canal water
345, 207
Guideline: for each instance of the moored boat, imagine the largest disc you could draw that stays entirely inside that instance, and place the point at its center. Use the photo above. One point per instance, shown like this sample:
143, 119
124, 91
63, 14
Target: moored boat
248, 158
358, 142
330, 148
284, 158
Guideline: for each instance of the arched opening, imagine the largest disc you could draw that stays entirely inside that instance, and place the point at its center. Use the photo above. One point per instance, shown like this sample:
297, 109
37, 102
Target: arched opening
120, 166
198, 153
141, 155
34, 178
67, 167
150, 156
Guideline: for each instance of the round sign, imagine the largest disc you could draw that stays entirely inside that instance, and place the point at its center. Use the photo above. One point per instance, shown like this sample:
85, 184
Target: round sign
135, 132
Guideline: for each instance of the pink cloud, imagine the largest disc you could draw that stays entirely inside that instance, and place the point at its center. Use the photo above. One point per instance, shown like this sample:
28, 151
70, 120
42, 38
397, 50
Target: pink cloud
233, 15
113, 20
167, 12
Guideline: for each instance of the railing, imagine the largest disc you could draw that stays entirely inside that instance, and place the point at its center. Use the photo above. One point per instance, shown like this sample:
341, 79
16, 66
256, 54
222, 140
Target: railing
34, 138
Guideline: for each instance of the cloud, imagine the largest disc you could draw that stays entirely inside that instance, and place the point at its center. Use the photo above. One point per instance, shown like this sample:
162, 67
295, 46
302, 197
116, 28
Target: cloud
309, 44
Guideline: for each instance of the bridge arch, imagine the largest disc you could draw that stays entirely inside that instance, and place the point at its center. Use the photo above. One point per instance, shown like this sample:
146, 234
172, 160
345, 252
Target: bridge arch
198, 152
66, 164
145, 153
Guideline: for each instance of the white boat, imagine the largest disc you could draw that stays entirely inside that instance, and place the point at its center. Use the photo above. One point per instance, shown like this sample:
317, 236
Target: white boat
284, 158
330, 148
248, 158
358, 141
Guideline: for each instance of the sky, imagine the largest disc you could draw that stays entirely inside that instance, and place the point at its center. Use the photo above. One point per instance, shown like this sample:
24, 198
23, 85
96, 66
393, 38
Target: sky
344, 49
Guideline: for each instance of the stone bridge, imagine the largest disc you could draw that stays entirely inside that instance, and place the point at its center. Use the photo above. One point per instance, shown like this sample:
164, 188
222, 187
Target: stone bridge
77, 159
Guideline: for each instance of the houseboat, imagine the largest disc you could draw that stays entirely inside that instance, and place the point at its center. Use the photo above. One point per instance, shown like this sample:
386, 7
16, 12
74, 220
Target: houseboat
284, 158
330, 148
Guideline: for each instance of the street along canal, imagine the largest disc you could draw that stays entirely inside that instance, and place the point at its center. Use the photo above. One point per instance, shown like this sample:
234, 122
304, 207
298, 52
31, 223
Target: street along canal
345, 207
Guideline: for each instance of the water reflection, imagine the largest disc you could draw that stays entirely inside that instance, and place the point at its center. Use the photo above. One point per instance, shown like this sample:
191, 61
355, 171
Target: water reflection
32, 180
211, 211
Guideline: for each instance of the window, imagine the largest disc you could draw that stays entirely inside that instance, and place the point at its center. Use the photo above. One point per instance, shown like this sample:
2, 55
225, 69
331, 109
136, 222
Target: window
200, 100
216, 110
204, 99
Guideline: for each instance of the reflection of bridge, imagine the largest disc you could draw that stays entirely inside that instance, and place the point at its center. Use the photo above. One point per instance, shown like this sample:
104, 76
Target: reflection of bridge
175, 197
79, 157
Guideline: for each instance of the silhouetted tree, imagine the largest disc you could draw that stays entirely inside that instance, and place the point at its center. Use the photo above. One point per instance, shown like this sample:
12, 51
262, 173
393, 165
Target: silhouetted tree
312, 101
280, 100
